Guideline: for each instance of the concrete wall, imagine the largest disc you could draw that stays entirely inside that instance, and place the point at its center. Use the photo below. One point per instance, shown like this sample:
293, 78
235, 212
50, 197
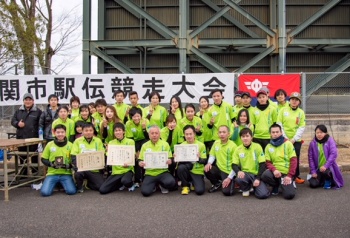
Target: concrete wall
338, 127
5, 126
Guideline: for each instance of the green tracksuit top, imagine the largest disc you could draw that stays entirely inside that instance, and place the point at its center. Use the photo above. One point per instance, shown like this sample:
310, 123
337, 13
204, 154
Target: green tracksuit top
223, 154
248, 159
280, 156
52, 151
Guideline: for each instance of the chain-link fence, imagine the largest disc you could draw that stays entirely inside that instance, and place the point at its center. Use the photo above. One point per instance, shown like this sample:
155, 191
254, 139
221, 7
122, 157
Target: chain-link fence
327, 93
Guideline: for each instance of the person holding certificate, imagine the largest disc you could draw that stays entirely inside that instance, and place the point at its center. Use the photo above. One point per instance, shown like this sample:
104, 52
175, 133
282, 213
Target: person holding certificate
87, 143
155, 156
121, 175
188, 170
56, 158
221, 152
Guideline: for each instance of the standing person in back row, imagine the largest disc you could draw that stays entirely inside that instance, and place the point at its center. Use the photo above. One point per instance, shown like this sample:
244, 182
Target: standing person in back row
67, 122
264, 116
175, 108
101, 106
26, 121
281, 97
238, 103
134, 102
272, 103
221, 113
120, 106
246, 103
205, 116
292, 120
155, 113
48, 116
74, 104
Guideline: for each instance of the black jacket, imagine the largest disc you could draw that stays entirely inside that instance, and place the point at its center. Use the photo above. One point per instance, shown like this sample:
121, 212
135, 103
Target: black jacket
45, 122
31, 120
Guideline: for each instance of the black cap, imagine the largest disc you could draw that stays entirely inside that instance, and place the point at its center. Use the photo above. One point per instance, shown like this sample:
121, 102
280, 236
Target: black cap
245, 93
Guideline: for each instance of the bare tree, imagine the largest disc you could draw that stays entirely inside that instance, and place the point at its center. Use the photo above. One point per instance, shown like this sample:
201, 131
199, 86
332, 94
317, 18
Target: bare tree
9, 51
34, 26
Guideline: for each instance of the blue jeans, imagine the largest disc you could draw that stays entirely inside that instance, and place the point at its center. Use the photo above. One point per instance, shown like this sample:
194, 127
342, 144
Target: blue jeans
52, 180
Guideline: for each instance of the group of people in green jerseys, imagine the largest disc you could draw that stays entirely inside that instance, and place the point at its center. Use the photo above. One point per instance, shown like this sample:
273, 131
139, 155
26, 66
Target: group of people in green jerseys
251, 149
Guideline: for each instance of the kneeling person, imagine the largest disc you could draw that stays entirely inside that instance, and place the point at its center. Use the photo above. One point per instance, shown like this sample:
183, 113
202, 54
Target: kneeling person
192, 172
248, 163
87, 143
121, 175
281, 163
221, 152
156, 176
56, 158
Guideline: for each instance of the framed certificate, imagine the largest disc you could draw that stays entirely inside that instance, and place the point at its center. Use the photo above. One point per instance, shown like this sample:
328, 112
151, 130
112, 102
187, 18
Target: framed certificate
90, 161
156, 160
121, 154
186, 153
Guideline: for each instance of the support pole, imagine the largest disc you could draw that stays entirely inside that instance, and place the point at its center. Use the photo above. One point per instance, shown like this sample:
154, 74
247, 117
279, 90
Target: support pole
282, 36
86, 36
182, 45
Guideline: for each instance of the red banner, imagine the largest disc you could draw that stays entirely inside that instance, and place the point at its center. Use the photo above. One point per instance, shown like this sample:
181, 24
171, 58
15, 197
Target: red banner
253, 82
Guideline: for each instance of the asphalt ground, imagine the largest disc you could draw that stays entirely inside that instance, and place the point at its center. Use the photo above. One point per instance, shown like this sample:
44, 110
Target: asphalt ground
312, 213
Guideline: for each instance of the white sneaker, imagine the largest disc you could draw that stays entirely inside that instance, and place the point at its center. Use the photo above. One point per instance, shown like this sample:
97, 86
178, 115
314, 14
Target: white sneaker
132, 188
245, 193
122, 188
163, 190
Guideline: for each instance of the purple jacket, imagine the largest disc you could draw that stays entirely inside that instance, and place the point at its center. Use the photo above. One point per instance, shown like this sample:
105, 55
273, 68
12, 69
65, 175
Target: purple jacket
331, 154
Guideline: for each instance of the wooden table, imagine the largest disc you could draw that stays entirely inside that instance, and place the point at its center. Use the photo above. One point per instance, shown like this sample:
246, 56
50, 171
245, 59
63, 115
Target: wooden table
12, 145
